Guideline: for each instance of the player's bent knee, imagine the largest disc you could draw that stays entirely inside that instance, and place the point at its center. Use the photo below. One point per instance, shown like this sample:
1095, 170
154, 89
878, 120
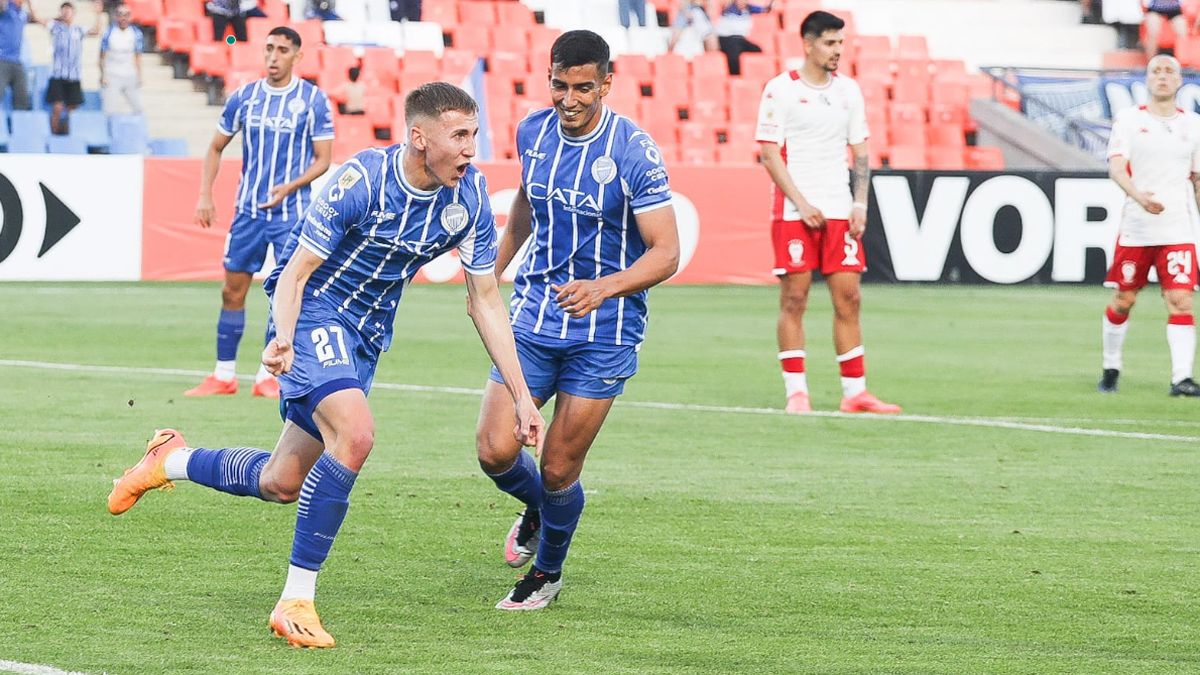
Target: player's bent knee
277, 489
795, 303
355, 446
847, 304
559, 475
233, 297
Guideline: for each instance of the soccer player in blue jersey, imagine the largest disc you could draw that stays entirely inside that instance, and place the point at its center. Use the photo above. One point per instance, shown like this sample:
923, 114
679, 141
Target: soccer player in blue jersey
384, 214
595, 200
287, 141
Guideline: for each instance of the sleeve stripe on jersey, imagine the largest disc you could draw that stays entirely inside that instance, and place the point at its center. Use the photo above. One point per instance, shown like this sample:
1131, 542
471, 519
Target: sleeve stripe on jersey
313, 246
480, 271
650, 207
323, 138
223, 130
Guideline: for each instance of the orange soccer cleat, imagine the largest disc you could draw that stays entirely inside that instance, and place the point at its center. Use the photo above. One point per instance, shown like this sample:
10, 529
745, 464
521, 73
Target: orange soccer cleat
268, 388
297, 622
212, 386
798, 404
146, 475
865, 402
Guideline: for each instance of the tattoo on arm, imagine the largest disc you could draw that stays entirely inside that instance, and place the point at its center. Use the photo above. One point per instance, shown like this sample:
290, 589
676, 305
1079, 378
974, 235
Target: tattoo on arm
862, 178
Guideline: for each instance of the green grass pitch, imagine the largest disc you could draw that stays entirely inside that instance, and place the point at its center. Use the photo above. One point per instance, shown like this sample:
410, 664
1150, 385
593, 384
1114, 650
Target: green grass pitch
713, 541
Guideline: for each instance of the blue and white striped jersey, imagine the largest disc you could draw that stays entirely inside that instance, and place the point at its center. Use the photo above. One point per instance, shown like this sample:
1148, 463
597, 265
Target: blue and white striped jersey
375, 231
278, 129
584, 193
67, 40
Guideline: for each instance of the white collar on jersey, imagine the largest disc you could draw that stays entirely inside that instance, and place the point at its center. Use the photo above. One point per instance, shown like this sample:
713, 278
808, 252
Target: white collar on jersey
605, 116
398, 170
266, 85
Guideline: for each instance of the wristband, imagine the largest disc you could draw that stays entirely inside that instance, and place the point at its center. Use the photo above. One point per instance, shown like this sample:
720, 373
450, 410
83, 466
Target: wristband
859, 205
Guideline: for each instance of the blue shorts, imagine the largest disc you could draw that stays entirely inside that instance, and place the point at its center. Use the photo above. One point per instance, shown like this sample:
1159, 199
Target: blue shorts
331, 355
246, 245
584, 369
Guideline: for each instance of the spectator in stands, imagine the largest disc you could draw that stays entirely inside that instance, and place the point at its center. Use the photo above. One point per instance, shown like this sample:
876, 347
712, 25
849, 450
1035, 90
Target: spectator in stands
251, 10
354, 95
13, 17
1126, 17
406, 10
121, 62
634, 8
1159, 12
692, 32
65, 92
322, 9
227, 13
733, 30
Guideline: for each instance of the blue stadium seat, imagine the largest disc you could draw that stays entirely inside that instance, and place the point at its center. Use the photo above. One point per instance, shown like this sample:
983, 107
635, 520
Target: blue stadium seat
129, 136
91, 127
30, 125
168, 147
39, 82
66, 145
92, 100
27, 144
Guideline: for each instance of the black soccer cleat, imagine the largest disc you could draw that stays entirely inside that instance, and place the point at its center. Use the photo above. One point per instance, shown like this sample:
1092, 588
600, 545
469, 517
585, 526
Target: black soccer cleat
1108, 381
1185, 387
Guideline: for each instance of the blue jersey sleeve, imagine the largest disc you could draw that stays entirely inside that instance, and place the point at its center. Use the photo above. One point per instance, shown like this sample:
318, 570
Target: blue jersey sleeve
643, 174
342, 205
322, 118
104, 40
477, 252
139, 40
231, 117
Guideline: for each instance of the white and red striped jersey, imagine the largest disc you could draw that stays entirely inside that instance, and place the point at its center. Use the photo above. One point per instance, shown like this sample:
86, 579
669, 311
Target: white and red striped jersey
814, 124
1163, 152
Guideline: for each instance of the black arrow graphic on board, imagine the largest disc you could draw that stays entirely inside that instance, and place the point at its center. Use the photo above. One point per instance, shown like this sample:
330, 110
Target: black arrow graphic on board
10, 227
60, 220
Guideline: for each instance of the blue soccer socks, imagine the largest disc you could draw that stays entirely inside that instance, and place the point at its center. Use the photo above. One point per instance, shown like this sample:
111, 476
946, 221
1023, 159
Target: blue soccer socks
522, 481
560, 517
324, 500
232, 470
229, 333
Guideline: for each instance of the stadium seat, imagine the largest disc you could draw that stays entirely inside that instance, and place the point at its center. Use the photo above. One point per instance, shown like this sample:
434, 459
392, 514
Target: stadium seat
671, 89
354, 133
168, 147
946, 124
424, 36
385, 34
710, 67
444, 13
458, 61
697, 135
744, 97
671, 66
793, 13
477, 13
707, 111
789, 47
236, 78
650, 41
513, 14
908, 133
872, 47
31, 124
734, 155
65, 145
738, 133
984, 158
379, 110
1134, 59
344, 33
505, 39
910, 157
541, 39
635, 67
183, 9
91, 127
945, 158
245, 56
209, 59
257, 29
129, 135
338, 58
27, 144
380, 69
697, 156
311, 31
145, 12
759, 68
912, 47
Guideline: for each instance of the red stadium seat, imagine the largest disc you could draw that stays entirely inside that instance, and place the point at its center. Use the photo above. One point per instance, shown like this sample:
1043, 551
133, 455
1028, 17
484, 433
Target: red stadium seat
311, 32
738, 133
506, 39
477, 13
508, 65
379, 110
949, 70
955, 94
945, 158
176, 35
1129, 59
759, 68
744, 97
275, 10
735, 155
906, 113
984, 158
331, 81
635, 67
707, 111
209, 58
513, 14
872, 47
697, 156
417, 59
412, 78
948, 117
379, 69
258, 28
457, 63
671, 89
354, 133
338, 58
793, 13
444, 13
236, 78
874, 91
710, 67
245, 56
763, 28
184, 9
541, 39
146, 12
671, 66
912, 47
908, 133
661, 122
878, 69
697, 135
907, 157
911, 90
789, 46
714, 92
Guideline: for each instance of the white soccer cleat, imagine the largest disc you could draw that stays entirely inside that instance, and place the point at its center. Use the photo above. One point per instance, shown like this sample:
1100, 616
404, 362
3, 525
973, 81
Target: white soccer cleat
535, 590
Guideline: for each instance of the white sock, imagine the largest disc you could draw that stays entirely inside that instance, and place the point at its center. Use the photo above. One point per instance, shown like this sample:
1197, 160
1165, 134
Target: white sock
176, 464
1182, 341
263, 374
1113, 338
795, 383
225, 370
853, 386
301, 584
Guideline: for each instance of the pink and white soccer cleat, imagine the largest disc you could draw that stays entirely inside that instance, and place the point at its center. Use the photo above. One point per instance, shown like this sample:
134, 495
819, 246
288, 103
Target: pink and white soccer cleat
865, 402
798, 404
521, 542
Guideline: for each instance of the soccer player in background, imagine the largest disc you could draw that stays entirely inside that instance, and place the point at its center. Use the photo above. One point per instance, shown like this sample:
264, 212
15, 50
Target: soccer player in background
595, 200
287, 142
805, 120
1154, 155
384, 214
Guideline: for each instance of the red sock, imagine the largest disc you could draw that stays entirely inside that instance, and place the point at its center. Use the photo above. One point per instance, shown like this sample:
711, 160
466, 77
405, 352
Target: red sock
1114, 318
792, 360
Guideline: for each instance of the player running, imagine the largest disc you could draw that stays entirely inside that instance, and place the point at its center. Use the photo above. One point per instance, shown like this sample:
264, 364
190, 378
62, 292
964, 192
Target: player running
1154, 155
287, 141
806, 119
384, 214
594, 197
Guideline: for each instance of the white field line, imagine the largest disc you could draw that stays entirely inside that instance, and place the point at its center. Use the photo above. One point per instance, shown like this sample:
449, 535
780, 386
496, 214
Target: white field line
32, 669
985, 422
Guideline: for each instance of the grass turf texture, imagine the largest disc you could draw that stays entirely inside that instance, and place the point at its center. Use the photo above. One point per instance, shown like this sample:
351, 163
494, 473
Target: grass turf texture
712, 542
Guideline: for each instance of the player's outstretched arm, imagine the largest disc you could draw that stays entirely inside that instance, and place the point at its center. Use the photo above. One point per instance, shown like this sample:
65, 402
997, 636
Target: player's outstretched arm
655, 266
490, 316
772, 159
206, 210
520, 226
322, 156
285, 308
1118, 170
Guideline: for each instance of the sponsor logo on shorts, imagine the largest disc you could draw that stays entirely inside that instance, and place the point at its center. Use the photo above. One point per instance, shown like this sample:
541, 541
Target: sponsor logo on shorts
1128, 271
795, 249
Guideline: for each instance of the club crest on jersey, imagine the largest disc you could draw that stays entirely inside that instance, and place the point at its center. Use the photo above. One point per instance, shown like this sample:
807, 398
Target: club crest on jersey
295, 106
604, 170
1128, 271
454, 218
796, 251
